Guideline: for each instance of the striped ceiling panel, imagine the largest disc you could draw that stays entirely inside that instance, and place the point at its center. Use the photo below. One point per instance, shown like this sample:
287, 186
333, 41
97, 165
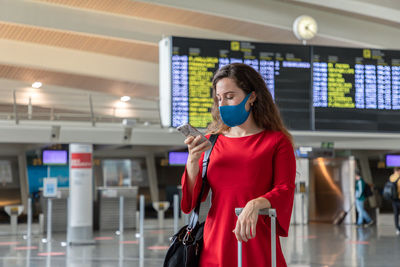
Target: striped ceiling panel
190, 18
89, 83
79, 41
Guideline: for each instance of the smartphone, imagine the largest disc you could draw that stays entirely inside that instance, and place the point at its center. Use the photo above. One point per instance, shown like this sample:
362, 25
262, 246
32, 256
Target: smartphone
189, 130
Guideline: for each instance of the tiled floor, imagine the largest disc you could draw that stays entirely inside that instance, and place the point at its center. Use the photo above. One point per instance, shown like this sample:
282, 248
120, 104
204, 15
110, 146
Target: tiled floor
312, 245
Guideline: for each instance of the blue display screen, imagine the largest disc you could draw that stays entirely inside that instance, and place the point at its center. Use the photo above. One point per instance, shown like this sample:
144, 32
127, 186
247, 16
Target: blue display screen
56, 157
177, 158
392, 160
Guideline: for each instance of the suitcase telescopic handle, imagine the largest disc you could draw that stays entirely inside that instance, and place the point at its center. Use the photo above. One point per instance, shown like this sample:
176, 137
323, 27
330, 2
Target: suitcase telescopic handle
272, 214
269, 212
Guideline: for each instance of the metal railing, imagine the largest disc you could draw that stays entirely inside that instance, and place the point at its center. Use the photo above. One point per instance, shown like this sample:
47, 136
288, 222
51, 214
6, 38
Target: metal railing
20, 105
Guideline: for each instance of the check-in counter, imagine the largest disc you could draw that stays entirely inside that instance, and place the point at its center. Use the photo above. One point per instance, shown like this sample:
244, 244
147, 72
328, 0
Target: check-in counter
108, 207
59, 210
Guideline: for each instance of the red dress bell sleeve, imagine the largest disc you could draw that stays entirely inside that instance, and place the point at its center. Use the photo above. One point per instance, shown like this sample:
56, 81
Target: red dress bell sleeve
188, 202
282, 193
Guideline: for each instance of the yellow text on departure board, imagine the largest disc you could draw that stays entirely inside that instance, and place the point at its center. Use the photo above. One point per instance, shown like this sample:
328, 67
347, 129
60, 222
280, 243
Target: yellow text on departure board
200, 89
338, 88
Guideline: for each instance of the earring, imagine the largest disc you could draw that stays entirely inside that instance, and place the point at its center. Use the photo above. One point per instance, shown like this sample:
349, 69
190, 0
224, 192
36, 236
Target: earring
252, 103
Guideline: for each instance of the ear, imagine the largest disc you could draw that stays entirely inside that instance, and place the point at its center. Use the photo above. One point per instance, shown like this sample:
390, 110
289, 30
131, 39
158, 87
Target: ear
253, 97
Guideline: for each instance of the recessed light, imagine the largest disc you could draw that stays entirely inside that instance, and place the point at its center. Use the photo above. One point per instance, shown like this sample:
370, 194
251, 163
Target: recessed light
125, 98
36, 85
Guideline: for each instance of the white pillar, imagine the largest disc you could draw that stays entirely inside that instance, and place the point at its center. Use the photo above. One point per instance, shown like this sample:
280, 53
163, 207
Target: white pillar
80, 223
23, 179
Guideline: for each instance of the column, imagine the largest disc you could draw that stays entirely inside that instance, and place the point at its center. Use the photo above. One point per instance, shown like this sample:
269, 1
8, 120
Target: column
80, 218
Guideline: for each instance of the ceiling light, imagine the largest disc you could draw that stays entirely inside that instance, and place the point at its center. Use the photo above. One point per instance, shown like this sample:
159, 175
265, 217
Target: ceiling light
125, 98
120, 104
36, 85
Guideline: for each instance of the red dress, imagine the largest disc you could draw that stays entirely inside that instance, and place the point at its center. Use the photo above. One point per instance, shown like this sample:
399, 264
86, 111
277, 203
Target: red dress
241, 169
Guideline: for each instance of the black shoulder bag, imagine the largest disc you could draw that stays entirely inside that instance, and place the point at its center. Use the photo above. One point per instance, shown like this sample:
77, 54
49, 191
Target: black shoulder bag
187, 243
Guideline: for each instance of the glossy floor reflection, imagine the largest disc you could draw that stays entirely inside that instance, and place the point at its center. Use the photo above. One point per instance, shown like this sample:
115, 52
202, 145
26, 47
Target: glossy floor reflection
312, 245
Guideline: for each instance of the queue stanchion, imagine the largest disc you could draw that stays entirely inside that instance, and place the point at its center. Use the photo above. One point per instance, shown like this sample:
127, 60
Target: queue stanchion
49, 218
29, 232
49, 191
121, 216
141, 228
176, 212
141, 216
29, 226
121, 251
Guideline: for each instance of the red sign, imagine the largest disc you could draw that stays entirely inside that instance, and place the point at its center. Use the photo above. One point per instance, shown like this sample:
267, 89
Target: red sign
81, 160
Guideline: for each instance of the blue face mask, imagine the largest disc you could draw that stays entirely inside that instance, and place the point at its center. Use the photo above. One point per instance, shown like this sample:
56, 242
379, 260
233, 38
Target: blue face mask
235, 115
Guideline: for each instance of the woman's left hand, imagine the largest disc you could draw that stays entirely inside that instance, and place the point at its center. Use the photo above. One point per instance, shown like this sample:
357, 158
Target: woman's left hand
246, 223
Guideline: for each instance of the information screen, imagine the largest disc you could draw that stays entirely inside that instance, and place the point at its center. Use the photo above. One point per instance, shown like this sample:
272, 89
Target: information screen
392, 161
286, 70
315, 87
356, 89
176, 158
55, 157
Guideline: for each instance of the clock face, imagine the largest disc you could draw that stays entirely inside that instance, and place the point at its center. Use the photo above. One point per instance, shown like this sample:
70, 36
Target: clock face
305, 27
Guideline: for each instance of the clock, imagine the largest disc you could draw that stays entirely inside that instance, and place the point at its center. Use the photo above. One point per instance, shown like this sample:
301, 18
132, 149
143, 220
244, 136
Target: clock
305, 28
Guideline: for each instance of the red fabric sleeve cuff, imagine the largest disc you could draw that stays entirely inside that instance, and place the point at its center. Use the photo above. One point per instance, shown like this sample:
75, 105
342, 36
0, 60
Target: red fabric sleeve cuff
283, 212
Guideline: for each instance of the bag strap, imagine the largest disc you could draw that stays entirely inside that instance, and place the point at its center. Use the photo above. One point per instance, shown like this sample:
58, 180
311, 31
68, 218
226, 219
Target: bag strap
195, 215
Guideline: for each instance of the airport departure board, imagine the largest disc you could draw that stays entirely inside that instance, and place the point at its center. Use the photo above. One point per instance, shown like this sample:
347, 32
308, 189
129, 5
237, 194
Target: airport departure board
285, 69
315, 87
356, 89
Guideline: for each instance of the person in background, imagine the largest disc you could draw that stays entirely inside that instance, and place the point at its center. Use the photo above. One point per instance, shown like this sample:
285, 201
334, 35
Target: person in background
360, 199
396, 202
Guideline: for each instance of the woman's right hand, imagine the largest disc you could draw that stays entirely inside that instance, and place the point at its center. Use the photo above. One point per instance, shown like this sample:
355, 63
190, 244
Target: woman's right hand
196, 149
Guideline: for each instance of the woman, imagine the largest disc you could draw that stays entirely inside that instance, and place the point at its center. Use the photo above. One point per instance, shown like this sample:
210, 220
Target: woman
252, 165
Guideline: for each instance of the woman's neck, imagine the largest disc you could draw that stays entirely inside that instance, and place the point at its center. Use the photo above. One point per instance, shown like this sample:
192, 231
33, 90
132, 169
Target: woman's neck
249, 127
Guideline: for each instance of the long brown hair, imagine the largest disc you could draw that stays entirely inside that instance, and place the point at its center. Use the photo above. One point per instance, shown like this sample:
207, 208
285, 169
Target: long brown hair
264, 110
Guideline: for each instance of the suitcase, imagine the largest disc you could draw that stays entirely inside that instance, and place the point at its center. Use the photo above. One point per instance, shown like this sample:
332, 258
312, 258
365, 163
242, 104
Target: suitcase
272, 214
340, 217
